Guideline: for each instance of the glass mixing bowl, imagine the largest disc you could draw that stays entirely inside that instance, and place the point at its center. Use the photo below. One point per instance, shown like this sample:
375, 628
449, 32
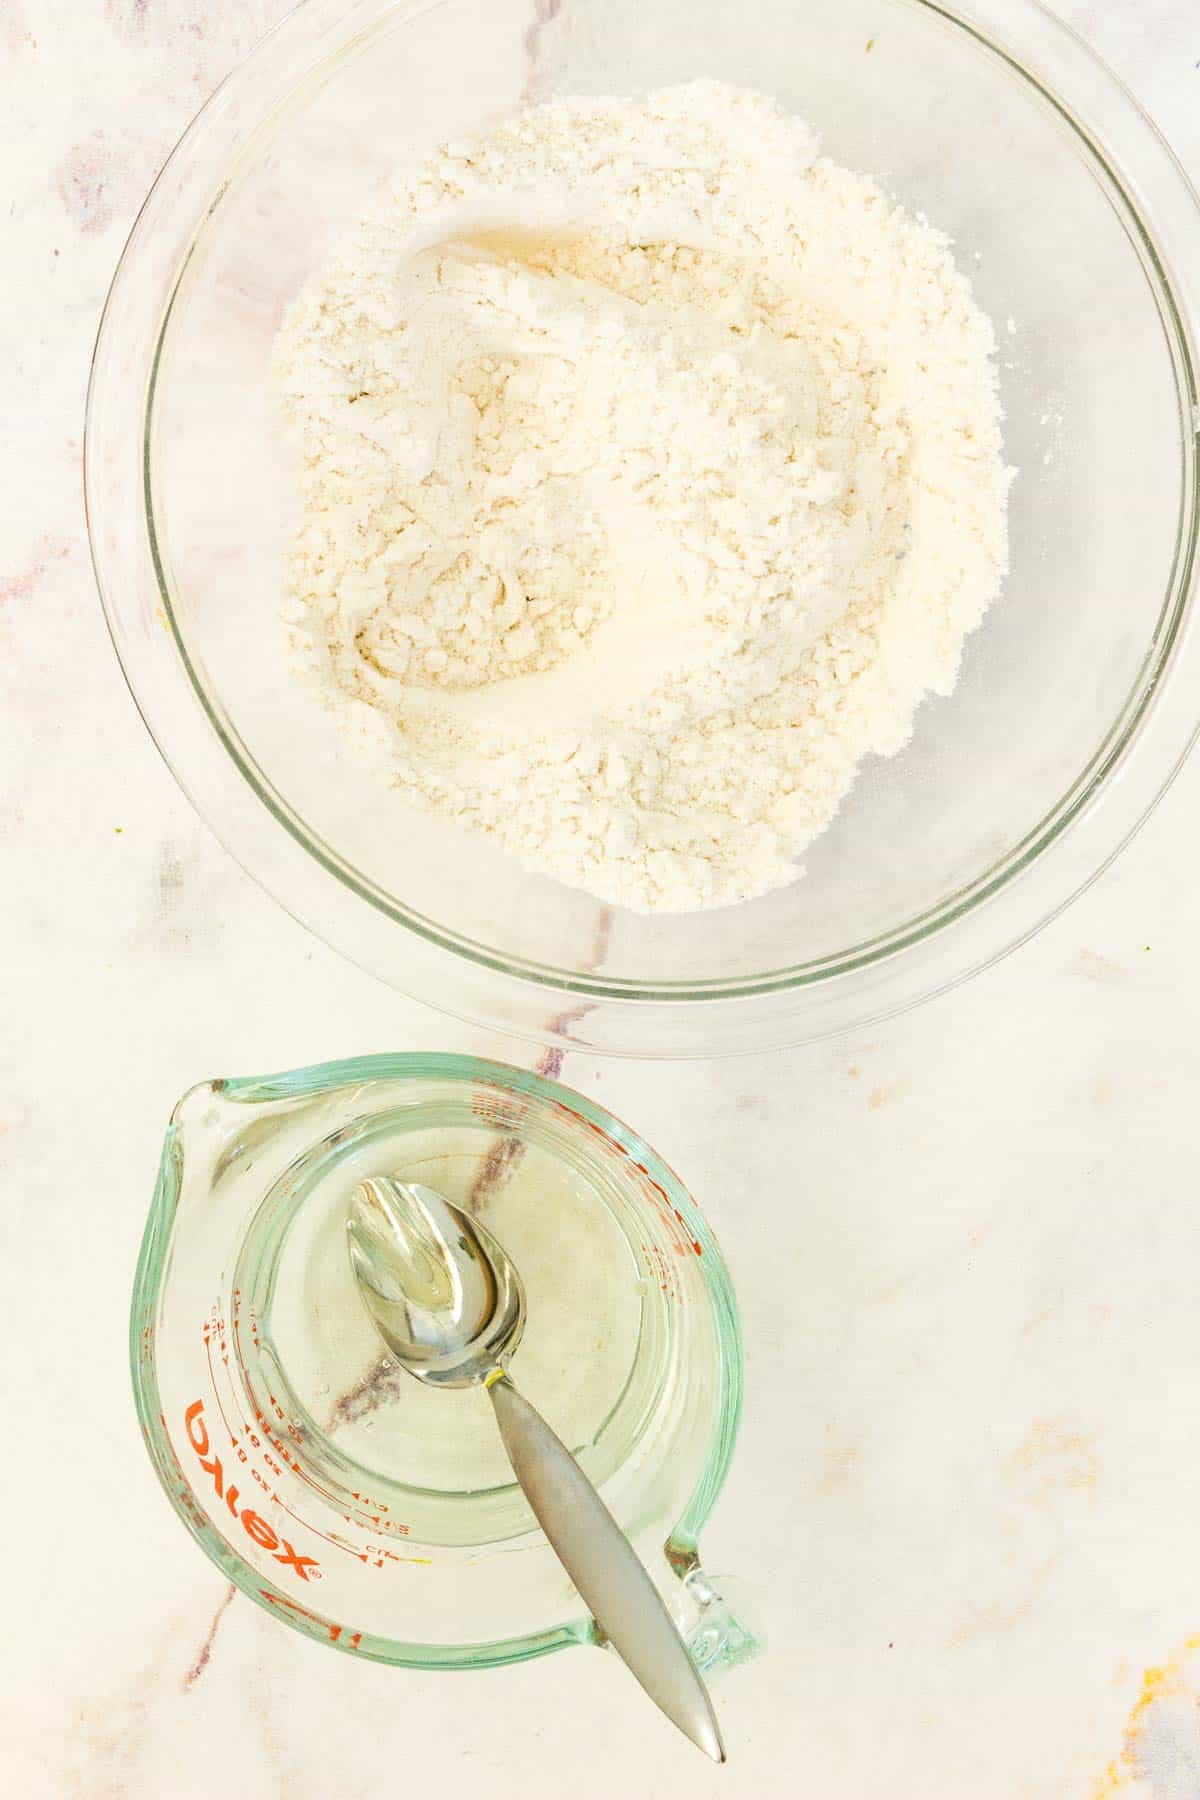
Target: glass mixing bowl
371, 1512
1076, 702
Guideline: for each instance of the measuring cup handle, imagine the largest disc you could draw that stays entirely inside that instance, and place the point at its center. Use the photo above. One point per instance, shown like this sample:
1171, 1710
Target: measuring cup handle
601, 1562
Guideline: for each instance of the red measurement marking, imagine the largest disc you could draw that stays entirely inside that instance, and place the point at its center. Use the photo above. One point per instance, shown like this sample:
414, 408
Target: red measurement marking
240, 1357
367, 1501
309, 1526
261, 1419
273, 1599
379, 1554
316, 1486
212, 1375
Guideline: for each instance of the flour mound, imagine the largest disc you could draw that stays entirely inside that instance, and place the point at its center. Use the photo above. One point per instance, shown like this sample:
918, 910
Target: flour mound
652, 476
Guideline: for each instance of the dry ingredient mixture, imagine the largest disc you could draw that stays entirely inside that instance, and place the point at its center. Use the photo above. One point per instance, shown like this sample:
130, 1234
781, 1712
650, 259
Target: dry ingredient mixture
651, 477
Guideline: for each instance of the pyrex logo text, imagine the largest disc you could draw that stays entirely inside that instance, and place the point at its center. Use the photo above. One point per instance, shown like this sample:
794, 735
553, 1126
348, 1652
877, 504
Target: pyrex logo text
252, 1523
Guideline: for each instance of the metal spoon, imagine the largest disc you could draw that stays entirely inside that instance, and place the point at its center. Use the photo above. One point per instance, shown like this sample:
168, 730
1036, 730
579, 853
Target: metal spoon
449, 1304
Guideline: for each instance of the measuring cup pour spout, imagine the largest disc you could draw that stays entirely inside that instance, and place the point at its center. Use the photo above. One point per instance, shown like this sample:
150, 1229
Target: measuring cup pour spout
449, 1304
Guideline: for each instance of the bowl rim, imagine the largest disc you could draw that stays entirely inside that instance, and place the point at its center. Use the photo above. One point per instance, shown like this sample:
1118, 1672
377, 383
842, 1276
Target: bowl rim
918, 957
508, 1080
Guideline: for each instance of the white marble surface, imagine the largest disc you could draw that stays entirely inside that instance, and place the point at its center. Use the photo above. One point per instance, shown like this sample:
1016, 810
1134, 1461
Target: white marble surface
967, 1244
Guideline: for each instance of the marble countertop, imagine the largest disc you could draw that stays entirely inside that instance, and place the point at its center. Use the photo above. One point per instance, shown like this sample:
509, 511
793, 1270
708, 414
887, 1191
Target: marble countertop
968, 1484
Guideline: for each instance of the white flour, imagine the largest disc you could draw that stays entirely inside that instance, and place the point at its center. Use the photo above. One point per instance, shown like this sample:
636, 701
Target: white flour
652, 476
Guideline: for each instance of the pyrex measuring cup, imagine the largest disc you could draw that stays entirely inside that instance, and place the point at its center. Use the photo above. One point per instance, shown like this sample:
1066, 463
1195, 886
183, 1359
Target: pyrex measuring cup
366, 1510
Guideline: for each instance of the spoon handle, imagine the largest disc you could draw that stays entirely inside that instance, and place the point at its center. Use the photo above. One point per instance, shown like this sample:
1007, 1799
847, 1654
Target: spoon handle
601, 1562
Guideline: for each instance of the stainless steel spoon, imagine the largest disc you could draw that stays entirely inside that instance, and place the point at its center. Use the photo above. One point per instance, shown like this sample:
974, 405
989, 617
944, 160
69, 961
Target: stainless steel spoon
449, 1304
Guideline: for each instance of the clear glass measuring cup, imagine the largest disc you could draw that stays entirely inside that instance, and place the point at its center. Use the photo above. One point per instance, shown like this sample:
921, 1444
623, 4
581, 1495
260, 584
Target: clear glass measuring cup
370, 1512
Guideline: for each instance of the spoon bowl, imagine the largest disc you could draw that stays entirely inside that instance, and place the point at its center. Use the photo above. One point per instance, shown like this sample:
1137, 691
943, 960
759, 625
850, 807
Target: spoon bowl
444, 1295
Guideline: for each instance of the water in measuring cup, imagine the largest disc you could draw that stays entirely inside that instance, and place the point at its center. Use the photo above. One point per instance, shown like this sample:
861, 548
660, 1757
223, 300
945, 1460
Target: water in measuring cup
368, 1423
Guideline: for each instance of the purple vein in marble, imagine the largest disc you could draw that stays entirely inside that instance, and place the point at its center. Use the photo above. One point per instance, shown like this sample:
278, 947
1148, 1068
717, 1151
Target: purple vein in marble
544, 14
205, 1651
